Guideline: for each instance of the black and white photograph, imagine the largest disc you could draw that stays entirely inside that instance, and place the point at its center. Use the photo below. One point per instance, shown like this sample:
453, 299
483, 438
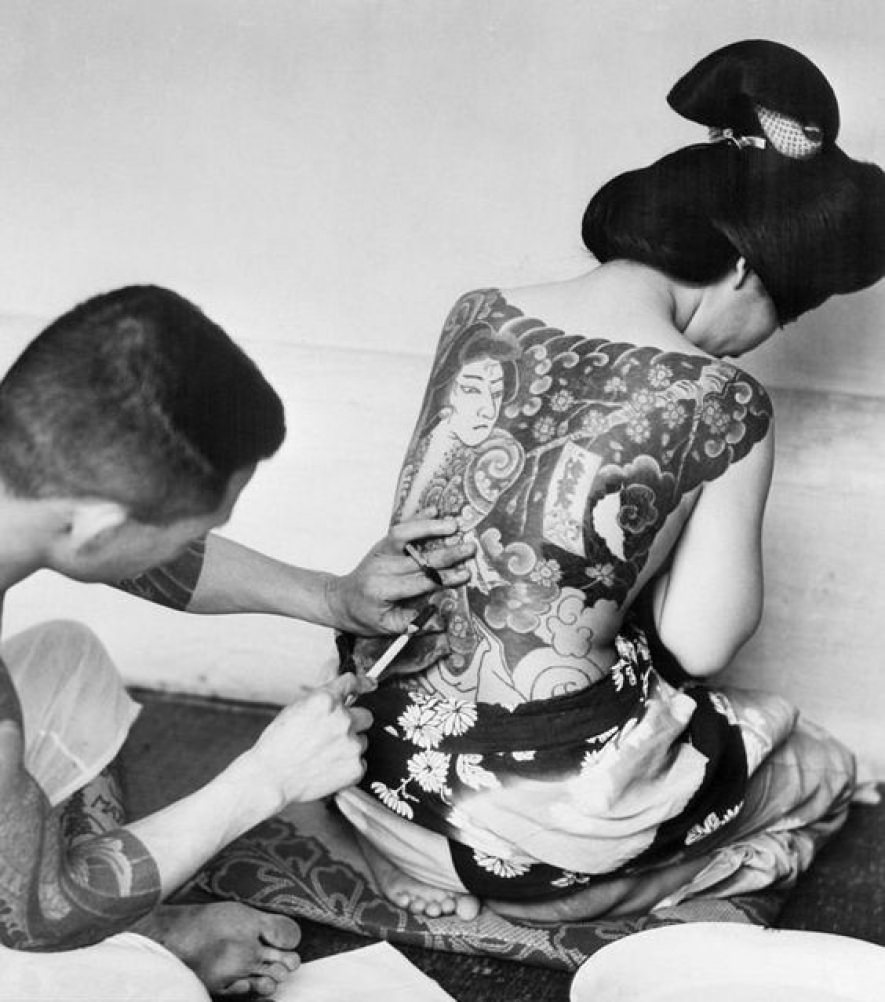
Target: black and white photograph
441, 491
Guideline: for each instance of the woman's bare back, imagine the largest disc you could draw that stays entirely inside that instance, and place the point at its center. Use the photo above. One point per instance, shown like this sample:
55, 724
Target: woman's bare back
573, 457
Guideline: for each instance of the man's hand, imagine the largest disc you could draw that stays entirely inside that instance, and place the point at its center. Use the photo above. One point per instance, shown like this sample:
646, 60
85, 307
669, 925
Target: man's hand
371, 599
314, 747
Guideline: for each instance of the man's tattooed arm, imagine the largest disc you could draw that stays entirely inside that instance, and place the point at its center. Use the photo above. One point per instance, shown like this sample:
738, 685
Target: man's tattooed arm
172, 584
53, 896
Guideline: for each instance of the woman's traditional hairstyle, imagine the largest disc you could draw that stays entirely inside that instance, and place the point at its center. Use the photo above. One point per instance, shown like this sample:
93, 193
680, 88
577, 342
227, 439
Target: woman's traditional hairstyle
771, 185
135, 396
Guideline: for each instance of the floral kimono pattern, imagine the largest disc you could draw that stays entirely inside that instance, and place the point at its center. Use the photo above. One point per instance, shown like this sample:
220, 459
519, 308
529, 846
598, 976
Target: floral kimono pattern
518, 791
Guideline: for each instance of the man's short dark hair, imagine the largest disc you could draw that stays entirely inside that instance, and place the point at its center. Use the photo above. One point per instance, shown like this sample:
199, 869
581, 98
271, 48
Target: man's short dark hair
135, 396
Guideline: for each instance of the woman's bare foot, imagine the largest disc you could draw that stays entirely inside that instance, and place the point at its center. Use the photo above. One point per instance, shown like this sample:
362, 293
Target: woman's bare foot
412, 894
232, 948
606, 897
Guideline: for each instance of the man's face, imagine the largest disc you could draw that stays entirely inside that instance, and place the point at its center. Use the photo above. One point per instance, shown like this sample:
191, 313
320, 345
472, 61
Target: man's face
476, 400
135, 547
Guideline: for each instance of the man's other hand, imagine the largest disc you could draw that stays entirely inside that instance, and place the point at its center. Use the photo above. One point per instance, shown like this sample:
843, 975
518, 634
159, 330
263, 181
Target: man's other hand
375, 597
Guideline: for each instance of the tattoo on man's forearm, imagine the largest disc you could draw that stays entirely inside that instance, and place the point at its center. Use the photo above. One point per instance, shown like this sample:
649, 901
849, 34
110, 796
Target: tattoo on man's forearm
172, 584
57, 896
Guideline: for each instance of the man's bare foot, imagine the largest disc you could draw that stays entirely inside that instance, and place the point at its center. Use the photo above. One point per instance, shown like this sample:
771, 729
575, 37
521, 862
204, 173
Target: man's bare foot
413, 895
232, 948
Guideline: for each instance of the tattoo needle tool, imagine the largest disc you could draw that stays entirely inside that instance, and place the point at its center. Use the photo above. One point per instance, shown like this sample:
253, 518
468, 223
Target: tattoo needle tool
423, 563
417, 623
375, 672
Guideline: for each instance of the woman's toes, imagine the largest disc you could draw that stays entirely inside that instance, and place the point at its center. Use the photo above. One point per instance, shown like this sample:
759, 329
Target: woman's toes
241, 987
280, 931
277, 971
467, 907
288, 958
263, 985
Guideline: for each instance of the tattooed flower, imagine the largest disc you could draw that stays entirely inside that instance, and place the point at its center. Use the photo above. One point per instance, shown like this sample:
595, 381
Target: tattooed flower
429, 770
421, 725
643, 400
601, 574
546, 573
459, 626
638, 509
714, 416
659, 376
500, 867
110, 857
615, 386
472, 774
392, 801
456, 716
638, 428
674, 414
562, 400
544, 428
594, 423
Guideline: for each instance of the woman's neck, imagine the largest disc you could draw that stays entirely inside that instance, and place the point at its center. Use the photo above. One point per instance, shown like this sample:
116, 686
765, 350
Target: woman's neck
614, 299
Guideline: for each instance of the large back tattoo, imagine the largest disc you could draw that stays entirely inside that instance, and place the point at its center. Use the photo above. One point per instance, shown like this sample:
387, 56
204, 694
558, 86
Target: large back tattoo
563, 456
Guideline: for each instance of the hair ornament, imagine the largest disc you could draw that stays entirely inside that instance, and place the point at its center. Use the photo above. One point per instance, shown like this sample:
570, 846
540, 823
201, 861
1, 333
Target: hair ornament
788, 135
758, 88
717, 135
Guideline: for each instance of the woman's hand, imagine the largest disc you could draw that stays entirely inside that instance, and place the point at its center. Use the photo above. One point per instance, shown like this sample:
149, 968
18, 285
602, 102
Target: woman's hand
375, 597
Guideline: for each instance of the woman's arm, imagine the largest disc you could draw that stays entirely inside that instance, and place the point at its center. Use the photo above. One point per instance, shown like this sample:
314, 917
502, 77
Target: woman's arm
709, 602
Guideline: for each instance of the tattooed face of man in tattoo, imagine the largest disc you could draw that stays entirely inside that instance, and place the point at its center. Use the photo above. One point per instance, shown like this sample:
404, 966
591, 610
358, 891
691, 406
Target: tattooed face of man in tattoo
476, 400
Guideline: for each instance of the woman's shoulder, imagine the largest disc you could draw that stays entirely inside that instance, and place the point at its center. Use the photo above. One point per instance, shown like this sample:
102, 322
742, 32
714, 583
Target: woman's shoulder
482, 304
639, 340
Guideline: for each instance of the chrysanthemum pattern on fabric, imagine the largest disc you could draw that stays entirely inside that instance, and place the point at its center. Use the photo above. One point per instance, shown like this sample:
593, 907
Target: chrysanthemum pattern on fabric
443, 763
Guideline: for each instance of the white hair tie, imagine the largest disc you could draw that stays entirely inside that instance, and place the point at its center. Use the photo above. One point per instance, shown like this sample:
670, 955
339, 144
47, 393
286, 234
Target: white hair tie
716, 135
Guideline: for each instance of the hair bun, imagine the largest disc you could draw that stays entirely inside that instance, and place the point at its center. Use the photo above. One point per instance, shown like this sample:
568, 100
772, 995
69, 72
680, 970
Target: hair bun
728, 88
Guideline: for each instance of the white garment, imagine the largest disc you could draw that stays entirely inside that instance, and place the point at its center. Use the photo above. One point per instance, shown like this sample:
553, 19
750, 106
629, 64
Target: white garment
76, 712
76, 717
123, 968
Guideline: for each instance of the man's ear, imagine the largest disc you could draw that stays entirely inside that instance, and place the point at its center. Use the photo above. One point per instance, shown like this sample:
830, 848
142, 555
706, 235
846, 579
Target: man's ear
742, 272
91, 521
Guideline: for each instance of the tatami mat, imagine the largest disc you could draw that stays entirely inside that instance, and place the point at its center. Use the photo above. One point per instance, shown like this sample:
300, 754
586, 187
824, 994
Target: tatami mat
179, 742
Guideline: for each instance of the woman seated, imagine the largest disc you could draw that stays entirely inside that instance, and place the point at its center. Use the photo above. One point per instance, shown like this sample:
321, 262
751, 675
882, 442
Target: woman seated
551, 743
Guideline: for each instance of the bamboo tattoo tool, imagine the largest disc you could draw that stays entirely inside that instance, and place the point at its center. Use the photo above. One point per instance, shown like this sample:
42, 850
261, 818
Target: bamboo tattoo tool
417, 623
422, 562
377, 669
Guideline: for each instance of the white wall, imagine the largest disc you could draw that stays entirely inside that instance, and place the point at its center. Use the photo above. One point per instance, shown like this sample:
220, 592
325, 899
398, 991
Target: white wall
334, 173
340, 170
